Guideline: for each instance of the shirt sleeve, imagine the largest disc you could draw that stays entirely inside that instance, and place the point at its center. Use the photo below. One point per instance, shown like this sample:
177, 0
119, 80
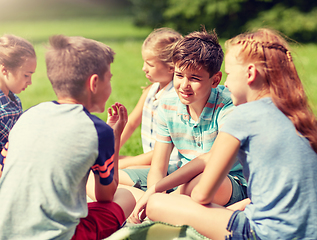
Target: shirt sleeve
162, 131
104, 165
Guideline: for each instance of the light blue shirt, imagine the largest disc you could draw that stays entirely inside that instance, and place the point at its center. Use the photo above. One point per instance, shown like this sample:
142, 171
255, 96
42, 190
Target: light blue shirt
281, 170
192, 138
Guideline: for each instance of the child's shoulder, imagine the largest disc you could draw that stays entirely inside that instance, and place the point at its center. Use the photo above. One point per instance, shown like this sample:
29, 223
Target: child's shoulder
170, 97
223, 94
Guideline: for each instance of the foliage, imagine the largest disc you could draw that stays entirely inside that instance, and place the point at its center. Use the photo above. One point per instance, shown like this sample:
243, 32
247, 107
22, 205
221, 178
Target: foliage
295, 18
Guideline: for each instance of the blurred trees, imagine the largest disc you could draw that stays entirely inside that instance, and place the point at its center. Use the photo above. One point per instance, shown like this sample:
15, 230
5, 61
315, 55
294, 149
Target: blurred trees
295, 18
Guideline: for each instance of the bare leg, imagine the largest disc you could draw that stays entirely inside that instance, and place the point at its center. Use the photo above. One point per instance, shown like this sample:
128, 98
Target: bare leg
125, 179
136, 192
125, 199
221, 197
211, 221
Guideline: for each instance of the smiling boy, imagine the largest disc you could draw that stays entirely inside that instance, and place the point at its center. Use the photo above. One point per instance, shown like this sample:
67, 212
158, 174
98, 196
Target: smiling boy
190, 121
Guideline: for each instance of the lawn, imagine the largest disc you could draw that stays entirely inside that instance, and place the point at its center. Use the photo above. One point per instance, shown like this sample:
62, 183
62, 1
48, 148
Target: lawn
128, 78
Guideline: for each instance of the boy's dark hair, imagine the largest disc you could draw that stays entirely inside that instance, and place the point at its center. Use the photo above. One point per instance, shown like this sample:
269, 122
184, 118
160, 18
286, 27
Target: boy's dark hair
199, 50
70, 61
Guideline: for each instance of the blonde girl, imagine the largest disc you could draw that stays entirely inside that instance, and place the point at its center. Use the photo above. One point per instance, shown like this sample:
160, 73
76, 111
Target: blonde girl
274, 132
159, 69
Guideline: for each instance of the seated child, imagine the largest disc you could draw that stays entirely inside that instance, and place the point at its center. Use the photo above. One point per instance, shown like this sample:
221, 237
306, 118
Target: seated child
54, 146
190, 120
159, 69
17, 64
276, 138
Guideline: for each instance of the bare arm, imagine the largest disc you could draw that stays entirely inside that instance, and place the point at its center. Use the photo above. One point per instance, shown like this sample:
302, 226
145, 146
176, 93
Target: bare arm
134, 119
222, 157
180, 176
142, 159
117, 118
161, 156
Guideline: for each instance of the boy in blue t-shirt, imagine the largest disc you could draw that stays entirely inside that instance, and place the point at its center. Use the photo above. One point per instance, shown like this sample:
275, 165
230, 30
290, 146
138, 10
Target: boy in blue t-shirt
54, 145
191, 118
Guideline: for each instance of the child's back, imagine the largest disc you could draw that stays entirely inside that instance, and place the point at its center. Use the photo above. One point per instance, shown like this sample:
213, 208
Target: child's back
49, 161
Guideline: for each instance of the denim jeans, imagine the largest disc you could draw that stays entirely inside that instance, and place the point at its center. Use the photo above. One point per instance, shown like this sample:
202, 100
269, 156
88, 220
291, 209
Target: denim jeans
239, 228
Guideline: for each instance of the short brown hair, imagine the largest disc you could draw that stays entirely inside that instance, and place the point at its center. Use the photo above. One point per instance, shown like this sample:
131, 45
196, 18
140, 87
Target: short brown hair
14, 51
70, 61
199, 50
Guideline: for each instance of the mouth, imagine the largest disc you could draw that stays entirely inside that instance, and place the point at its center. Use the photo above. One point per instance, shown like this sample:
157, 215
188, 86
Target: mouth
185, 94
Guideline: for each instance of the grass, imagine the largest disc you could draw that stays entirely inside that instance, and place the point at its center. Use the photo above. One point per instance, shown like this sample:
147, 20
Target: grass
128, 78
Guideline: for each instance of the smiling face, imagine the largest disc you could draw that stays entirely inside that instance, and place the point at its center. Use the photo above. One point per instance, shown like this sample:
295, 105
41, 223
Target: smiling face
156, 70
237, 75
19, 79
193, 87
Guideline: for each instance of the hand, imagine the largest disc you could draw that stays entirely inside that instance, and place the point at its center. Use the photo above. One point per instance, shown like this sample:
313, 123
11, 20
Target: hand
138, 214
240, 205
117, 117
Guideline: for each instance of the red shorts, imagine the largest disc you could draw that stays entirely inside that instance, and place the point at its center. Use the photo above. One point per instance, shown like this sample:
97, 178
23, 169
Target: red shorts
103, 219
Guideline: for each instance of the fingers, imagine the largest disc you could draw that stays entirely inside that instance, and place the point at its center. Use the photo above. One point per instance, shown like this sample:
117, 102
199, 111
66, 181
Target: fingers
123, 113
113, 110
134, 217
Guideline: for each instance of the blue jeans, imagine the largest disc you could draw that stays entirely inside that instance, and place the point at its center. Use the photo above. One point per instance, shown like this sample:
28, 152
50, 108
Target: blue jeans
239, 228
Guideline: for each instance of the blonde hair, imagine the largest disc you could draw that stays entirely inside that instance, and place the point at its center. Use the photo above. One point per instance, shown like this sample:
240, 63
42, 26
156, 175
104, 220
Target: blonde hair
161, 42
14, 51
70, 61
270, 51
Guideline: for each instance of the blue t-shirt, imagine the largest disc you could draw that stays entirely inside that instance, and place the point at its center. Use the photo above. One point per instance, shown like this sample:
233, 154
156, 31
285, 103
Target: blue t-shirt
52, 148
281, 170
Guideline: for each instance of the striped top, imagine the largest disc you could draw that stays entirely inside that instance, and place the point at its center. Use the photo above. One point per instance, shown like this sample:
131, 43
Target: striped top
193, 138
10, 111
149, 116
52, 148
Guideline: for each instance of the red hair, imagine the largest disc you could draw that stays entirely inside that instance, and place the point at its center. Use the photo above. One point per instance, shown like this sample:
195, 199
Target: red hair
271, 53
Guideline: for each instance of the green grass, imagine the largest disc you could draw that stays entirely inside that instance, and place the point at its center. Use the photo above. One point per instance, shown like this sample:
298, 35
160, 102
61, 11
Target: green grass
128, 78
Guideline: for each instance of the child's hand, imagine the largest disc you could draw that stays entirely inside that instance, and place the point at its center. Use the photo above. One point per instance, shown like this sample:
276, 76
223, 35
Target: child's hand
138, 214
117, 117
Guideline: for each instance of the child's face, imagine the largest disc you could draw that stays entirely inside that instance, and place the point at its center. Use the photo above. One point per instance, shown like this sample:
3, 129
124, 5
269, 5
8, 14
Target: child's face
156, 70
103, 92
193, 87
18, 80
237, 74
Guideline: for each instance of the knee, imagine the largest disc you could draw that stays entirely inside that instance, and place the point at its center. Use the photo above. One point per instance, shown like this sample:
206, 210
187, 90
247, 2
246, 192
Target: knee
155, 205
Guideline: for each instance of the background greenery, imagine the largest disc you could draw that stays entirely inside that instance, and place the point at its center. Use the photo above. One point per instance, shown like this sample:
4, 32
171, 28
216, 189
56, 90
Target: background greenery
114, 25
295, 18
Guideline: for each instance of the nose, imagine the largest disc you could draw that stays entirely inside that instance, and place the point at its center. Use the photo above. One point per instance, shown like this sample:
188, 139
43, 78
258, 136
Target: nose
184, 83
144, 69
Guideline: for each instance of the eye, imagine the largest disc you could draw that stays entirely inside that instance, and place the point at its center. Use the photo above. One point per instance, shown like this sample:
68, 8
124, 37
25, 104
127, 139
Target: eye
195, 79
150, 65
179, 75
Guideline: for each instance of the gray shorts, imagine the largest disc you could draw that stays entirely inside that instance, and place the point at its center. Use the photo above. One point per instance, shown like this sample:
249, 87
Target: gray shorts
139, 177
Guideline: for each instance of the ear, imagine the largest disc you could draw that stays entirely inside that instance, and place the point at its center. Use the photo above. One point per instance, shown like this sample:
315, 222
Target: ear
216, 79
251, 73
93, 83
171, 69
3, 70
